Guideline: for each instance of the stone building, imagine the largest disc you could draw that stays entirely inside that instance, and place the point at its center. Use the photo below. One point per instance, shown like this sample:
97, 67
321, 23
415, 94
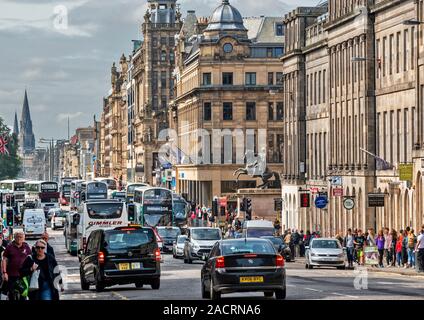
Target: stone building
227, 84
152, 86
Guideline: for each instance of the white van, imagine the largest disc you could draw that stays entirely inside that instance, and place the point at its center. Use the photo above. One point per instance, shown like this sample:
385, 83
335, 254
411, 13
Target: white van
34, 223
258, 228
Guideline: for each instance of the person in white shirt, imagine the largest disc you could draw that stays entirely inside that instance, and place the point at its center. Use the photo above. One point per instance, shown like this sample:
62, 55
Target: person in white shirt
420, 249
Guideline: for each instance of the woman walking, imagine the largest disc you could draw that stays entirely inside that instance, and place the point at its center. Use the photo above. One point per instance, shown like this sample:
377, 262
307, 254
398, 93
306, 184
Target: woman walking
394, 239
380, 240
49, 274
399, 251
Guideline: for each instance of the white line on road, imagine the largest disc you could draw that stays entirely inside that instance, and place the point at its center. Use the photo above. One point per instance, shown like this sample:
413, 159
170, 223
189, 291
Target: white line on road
312, 289
344, 295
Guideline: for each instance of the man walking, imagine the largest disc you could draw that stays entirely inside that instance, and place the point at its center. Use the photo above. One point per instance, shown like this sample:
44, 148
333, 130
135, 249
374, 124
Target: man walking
13, 258
387, 243
348, 243
420, 249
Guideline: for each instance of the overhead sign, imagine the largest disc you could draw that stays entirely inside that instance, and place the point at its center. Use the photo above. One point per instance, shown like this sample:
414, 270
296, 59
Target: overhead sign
305, 200
349, 203
376, 200
338, 192
336, 181
321, 202
406, 171
314, 190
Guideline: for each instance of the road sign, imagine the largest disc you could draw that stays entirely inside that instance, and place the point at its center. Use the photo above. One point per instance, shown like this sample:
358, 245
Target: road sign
336, 181
338, 192
314, 190
305, 200
321, 202
406, 171
376, 200
349, 203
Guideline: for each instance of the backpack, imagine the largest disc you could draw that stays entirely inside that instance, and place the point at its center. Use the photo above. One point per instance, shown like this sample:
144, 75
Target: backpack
22, 286
411, 241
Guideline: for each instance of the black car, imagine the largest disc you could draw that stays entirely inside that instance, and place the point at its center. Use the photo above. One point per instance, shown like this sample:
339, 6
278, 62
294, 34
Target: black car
281, 247
121, 256
243, 265
168, 235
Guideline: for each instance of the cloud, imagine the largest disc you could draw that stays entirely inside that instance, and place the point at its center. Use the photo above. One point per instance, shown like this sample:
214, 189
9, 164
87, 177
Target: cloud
61, 117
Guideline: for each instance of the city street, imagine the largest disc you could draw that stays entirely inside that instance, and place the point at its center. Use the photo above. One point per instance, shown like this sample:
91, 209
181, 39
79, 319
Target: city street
181, 281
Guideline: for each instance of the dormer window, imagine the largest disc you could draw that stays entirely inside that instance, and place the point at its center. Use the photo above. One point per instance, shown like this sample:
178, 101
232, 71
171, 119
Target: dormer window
279, 29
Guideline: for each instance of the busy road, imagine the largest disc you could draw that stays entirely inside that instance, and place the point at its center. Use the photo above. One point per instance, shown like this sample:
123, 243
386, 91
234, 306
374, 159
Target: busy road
181, 281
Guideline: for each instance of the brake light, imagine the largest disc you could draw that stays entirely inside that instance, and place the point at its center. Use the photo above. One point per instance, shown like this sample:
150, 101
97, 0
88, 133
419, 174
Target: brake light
158, 257
279, 261
220, 262
101, 257
84, 242
250, 255
127, 229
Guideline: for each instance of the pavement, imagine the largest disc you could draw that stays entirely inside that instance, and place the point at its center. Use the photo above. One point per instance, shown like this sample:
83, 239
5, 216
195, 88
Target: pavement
181, 281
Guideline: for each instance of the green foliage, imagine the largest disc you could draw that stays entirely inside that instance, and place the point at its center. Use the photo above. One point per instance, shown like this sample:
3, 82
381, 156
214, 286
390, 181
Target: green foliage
10, 164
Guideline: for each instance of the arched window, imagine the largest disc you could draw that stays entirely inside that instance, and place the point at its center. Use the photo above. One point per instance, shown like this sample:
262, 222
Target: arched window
163, 56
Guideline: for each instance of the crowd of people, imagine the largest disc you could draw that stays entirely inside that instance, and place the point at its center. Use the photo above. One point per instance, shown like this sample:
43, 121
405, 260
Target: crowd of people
20, 262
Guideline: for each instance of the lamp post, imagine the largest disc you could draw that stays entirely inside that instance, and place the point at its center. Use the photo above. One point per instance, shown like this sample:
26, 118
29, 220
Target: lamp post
51, 143
412, 22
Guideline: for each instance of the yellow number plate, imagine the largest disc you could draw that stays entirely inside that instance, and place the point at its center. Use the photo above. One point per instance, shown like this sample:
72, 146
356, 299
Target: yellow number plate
251, 279
124, 266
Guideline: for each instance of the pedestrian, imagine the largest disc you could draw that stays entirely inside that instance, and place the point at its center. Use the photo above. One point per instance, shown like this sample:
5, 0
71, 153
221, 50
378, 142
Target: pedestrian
230, 232
277, 227
359, 242
301, 244
399, 251
50, 250
380, 240
13, 258
348, 243
49, 278
211, 220
339, 238
387, 244
420, 249
193, 218
394, 239
307, 238
371, 237
412, 241
3, 244
295, 240
405, 247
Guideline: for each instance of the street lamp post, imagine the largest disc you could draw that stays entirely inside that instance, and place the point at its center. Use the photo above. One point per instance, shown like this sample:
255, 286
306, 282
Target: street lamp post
51, 153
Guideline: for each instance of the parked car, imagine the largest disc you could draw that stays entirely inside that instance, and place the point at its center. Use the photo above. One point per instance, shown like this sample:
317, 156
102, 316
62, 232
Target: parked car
325, 252
281, 247
243, 265
169, 236
178, 247
199, 243
121, 256
58, 218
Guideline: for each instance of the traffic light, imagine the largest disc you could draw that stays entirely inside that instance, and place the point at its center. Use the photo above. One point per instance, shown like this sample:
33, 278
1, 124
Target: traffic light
131, 212
215, 207
305, 200
9, 217
243, 204
248, 209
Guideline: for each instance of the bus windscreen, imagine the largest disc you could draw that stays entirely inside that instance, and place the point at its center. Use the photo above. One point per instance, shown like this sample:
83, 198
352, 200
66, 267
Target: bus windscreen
105, 210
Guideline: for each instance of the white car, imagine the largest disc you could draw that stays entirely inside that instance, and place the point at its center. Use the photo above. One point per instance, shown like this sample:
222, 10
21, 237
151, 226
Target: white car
178, 247
58, 219
325, 252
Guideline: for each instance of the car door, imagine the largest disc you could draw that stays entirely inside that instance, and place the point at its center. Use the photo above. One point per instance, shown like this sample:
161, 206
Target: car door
89, 260
207, 267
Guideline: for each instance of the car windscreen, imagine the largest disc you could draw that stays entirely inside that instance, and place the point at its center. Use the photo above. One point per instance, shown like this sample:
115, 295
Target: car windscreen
242, 247
120, 239
326, 244
205, 234
180, 210
105, 210
259, 232
61, 214
275, 241
169, 233
181, 239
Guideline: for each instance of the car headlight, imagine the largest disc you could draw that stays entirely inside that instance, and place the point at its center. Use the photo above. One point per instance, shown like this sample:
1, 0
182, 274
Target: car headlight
341, 255
313, 254
196, 247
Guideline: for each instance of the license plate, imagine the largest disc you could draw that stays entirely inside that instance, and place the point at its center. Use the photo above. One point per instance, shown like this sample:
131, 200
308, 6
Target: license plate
124, 266
135, 265
251, 279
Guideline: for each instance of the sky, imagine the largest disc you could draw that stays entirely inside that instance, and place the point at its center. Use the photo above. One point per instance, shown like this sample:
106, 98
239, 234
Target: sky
61, 51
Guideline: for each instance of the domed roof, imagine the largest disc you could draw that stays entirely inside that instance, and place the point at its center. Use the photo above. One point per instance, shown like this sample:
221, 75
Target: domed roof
226, 17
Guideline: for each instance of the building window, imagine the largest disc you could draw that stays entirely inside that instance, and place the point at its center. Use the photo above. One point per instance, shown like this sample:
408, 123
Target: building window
280, 111
279, 78
269, 52
171, 41
278, 52
164, 103
207, 79
172, 57
163, 56
250, 78
207, 111
163, 41
227, 78
270, 78
163, 79
228, 111
279, 30
271, 111
251, 111
154, 42
155, 80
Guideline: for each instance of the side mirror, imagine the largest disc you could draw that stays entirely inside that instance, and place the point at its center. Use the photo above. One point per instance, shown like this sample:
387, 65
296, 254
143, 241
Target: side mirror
81, 252
306, 247
175, 242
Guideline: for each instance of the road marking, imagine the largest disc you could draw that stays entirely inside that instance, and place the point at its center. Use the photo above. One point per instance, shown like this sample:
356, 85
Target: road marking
122, 297
387, 283
344, 295
312, 289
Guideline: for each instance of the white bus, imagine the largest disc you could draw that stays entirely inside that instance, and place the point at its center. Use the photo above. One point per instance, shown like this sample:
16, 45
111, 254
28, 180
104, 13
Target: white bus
131, 189
153, 206
99, 214
42, 195
18, 189
75, 193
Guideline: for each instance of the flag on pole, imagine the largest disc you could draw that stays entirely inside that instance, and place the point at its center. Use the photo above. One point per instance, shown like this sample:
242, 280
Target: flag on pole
381, 163
3, 145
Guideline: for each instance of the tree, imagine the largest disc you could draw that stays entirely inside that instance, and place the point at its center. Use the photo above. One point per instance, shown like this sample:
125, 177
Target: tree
10, 163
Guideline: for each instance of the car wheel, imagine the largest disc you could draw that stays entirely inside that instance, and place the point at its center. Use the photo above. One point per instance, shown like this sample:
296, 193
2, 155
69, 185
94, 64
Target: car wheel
306, 266
139, 285
214, 295
268, 294
84, 284
203, 290
156, 284
100, 286
280, 294
341, 268
310, 266
189, 260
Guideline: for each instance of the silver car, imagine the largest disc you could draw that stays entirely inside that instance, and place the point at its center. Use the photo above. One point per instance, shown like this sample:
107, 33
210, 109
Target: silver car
178, 247
325, 252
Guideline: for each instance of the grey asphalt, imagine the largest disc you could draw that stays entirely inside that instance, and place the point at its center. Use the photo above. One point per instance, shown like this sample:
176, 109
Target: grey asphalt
181, 281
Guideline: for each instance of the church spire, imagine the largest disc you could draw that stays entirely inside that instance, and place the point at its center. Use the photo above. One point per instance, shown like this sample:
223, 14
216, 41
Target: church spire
26, 135
16, 126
